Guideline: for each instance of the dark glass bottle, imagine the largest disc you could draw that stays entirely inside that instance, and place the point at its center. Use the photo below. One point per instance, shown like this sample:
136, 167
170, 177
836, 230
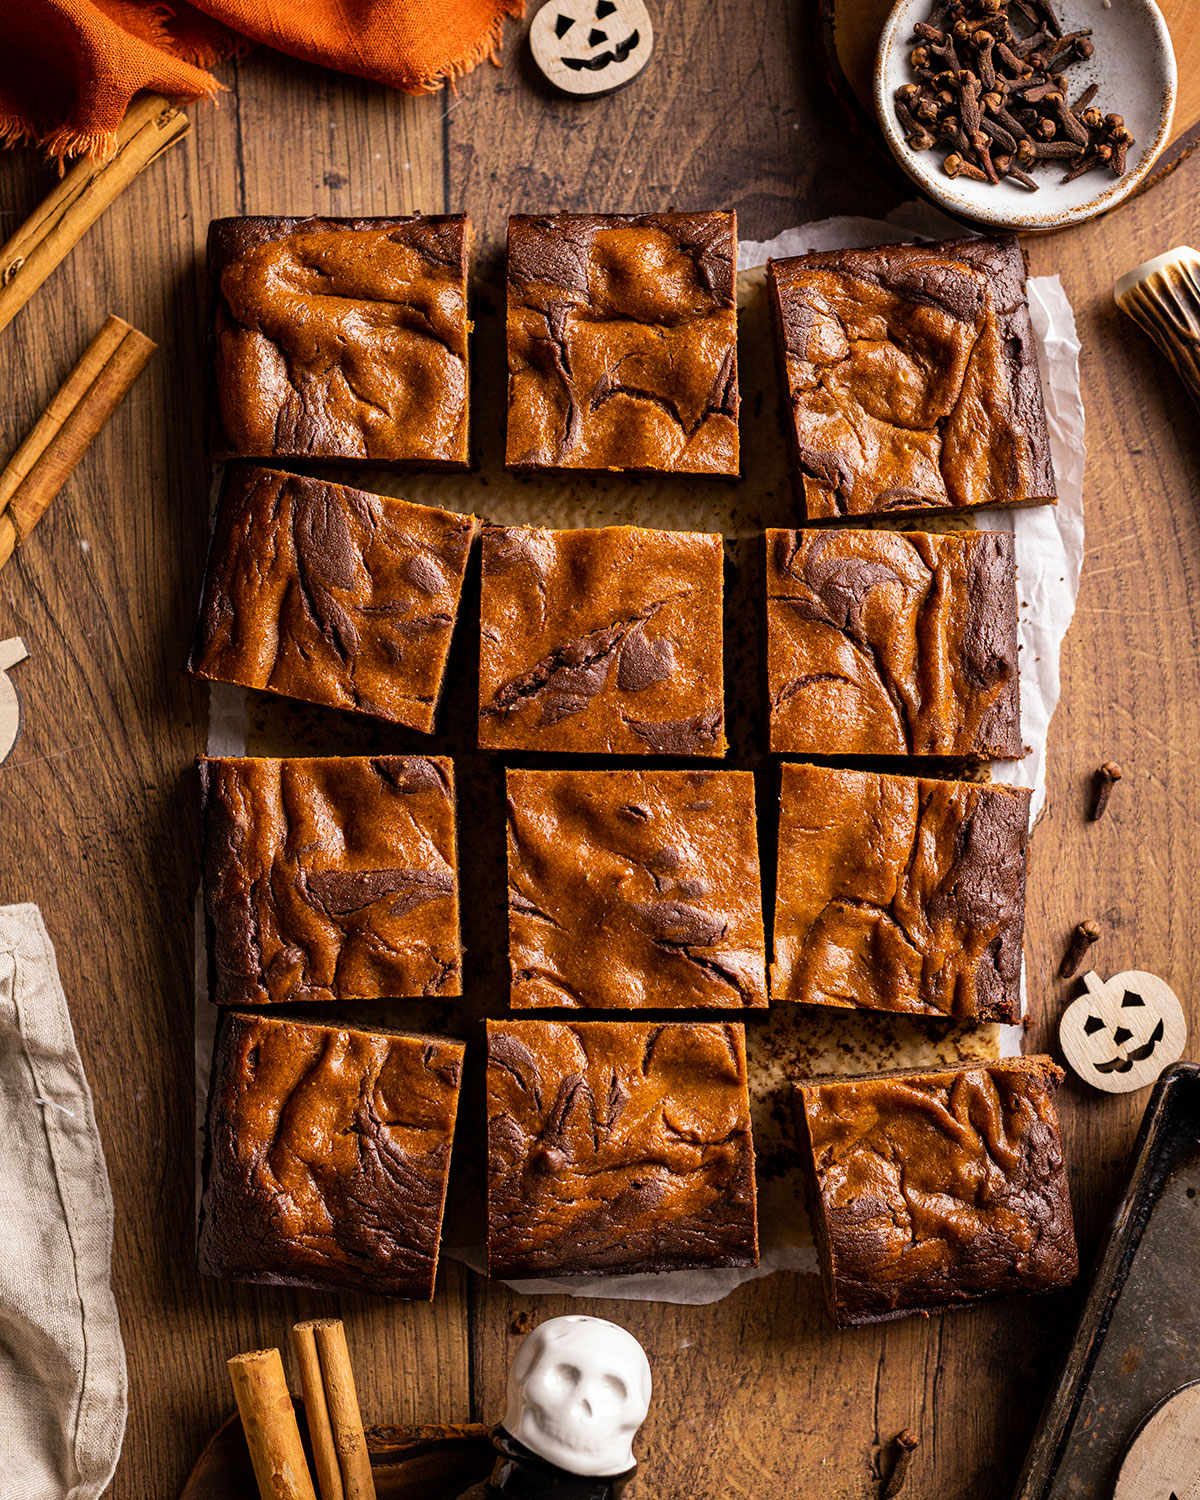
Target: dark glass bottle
519, 1474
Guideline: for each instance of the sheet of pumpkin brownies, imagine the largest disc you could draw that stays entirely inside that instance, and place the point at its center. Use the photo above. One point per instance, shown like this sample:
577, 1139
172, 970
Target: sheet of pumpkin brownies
783, 1043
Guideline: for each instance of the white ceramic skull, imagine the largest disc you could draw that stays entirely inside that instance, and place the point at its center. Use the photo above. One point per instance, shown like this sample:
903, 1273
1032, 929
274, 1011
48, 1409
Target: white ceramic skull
591, 46
578, 1391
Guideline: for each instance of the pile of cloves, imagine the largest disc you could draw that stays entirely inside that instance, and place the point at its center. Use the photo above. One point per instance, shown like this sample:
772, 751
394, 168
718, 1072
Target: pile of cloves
993, 92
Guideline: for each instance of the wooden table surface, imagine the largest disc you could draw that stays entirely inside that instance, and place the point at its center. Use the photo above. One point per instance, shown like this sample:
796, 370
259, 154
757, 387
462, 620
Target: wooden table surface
755, 1395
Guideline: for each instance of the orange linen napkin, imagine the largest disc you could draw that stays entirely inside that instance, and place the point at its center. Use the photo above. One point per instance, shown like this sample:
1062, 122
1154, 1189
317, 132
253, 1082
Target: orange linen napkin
68, 68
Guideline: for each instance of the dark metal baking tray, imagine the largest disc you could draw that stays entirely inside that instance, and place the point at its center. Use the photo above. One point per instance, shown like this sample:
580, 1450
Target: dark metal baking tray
1139, 1336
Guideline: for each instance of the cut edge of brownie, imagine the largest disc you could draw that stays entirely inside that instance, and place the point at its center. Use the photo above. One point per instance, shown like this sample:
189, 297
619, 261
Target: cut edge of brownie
990, 635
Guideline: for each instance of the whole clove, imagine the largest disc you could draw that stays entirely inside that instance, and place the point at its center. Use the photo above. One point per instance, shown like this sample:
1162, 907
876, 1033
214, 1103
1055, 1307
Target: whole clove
991, 83
1082, 938
905, 1443
1105, 779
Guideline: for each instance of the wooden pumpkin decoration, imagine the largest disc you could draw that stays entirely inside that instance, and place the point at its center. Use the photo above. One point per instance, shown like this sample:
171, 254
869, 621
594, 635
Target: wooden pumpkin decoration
590, 47
1163, 1462
1121, 1033
11, 652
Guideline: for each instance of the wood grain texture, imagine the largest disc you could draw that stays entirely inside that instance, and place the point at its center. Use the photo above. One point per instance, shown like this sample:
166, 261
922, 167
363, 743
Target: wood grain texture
97, 803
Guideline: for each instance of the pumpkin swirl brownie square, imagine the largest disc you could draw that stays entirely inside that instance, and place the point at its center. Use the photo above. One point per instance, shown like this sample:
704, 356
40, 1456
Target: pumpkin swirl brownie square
933, 1189
912, 378
893, 643
606, 641
622, 343
330, 878
331, 595
630, 888
617, 1147
341, 339
328, 1155
899, 893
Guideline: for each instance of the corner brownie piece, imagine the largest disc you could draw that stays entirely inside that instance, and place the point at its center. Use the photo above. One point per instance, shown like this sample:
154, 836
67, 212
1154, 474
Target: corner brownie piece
617, 1147
893, 643
329, 594
933, 1189
898, 893
341, 339
328, 1155
622, 342
912, 378
330, 879
607, 640
634, 889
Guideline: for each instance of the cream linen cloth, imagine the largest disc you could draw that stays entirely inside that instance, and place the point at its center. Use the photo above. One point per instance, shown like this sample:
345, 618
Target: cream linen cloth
62, 1362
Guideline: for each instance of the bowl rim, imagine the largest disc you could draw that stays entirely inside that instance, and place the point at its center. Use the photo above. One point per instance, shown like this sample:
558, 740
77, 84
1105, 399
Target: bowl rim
942, 190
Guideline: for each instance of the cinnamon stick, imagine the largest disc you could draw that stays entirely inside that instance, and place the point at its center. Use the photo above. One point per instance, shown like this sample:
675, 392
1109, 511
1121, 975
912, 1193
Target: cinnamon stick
341, 1400
62, 435
269, 1423
65, 215
316, 1411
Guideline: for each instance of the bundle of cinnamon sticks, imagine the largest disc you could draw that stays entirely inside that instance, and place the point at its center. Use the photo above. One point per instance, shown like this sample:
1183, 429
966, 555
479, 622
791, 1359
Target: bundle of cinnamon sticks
335, 1429
110, 364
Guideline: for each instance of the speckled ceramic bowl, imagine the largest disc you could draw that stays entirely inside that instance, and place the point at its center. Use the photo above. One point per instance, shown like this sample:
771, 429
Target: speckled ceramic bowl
1134, 64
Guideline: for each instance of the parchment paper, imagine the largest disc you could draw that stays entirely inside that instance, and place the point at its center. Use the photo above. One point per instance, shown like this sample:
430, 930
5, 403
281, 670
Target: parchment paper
788, 1042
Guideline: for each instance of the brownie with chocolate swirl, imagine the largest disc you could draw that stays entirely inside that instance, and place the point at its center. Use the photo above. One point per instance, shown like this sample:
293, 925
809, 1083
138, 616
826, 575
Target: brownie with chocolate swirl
329, 594
634, 889
900, 893
604, 640
893, 643
934, 1189
341, 339
333, 878
622, 342
912, 378
328, 1155
617, 1147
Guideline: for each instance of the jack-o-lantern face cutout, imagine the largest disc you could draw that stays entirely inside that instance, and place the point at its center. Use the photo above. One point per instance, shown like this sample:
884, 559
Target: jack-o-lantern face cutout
1122, 1033
591, 46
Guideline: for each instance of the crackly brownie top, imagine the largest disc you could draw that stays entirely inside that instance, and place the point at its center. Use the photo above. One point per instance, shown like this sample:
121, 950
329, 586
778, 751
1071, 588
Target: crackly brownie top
331, 879
332, 595
912, 377
603, 640
899, 893
939, 1187
634, 888
341, 338
328, 1155
622, 342
618, 1146
893, 643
